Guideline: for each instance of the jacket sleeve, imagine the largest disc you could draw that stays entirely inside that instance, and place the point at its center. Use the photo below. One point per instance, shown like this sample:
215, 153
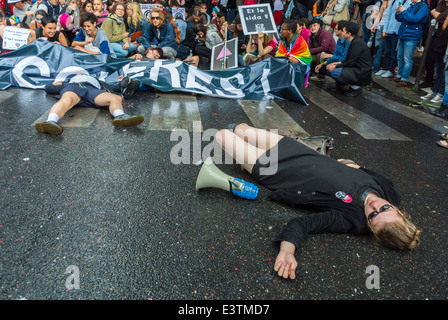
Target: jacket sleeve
170, 36
147, 36
415, 16
298, 228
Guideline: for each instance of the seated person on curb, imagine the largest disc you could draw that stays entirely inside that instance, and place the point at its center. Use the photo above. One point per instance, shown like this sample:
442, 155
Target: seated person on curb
321, 40
48, 32
84, 91
115, 28
339, 54
159, 33
90, 38
356, 70
351, 199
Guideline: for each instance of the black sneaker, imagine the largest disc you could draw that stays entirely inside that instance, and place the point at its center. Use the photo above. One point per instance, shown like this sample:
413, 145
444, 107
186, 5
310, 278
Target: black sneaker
49, 127
353, 92
131, 87
124, 82
125, 120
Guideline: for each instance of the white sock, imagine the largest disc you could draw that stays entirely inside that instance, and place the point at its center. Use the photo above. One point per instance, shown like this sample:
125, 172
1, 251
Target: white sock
53, 117
117, 113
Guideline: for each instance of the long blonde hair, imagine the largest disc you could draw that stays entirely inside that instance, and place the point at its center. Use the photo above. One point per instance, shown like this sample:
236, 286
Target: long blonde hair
399, 235
137, 13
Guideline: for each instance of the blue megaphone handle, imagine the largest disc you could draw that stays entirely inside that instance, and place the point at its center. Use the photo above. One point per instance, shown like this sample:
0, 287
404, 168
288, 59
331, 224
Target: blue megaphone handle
249, 191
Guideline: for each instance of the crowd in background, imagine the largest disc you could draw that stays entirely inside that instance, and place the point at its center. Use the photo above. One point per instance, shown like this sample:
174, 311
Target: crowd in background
392, 30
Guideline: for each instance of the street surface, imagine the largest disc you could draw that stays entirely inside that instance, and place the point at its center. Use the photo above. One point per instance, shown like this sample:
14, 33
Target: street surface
107, 204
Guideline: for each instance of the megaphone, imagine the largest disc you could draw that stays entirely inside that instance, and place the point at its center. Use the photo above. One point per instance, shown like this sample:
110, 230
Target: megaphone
211, 177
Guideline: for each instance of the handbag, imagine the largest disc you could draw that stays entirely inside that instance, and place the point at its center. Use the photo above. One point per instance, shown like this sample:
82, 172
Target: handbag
343, 15
328, 18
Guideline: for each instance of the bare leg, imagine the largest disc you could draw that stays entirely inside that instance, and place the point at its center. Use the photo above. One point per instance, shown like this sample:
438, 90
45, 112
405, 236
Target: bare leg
243, 152
67, 101
107, 99
259, 138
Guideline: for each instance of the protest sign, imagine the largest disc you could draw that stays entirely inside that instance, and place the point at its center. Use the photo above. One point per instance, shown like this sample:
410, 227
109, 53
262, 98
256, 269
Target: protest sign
178, 13
14, 38
147, 8
225, 55
257, 17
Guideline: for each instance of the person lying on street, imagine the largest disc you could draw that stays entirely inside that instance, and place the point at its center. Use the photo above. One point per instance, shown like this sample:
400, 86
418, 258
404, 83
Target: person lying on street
349, 198
84, 91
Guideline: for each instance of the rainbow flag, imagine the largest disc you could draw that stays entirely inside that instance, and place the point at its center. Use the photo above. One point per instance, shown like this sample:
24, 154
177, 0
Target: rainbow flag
299, 49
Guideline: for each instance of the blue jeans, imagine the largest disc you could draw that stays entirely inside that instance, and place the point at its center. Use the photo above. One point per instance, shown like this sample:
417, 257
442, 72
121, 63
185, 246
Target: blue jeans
445, 96
119, 51
405, 57
390, 52
379, 42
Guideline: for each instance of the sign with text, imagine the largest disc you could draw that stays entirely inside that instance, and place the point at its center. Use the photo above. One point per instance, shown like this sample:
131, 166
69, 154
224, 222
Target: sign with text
178, 13
257, 17
14, 38
147, 8
225, 56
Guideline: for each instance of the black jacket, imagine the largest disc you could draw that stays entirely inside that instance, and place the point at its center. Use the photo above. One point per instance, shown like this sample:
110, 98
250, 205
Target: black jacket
339, 217
357, 67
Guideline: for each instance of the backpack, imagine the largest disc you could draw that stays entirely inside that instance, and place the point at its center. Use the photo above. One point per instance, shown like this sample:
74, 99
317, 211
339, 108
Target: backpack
176, 31
321, 144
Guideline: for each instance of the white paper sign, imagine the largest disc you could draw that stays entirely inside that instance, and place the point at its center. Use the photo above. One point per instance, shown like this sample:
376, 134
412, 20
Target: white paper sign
14, 38
147, 8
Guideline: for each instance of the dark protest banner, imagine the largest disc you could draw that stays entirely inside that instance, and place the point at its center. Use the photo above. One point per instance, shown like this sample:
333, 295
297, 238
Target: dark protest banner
225, 55
257, 17
42, 62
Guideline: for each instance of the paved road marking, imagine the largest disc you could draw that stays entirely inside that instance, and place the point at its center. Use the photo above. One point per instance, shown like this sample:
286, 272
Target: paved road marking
269, 115
417, 115
360, 122
74, 118
170, 113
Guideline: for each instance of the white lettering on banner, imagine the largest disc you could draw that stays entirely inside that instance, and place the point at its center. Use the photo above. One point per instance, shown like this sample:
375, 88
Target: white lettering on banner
194, 73
135, 71
226, 85
17, 72
64, 73
265, 84
172, 69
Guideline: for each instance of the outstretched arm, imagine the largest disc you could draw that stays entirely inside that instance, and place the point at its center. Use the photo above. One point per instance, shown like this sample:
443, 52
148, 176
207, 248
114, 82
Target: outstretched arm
286, 264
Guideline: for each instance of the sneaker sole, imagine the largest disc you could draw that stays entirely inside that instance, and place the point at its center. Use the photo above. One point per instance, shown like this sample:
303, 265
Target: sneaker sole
49, 128
131, 122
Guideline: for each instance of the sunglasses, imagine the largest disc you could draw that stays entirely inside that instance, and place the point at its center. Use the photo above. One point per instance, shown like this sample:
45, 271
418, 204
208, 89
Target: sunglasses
375, 213
155, 18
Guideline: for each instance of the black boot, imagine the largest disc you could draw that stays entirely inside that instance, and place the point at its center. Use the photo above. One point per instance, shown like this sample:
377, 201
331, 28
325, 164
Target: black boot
442, 112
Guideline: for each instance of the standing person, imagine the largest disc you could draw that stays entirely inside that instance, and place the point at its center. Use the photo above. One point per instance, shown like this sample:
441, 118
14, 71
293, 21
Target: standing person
48, 32
84, 91
356, 70
115, 28
410, 33
436, 53
378, 27
390, 35
259, 47
349, 198
98, 10
159, 33
278, 11
91, 38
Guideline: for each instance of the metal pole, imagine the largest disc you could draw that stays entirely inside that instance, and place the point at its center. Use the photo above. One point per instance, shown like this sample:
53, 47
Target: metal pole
425, 53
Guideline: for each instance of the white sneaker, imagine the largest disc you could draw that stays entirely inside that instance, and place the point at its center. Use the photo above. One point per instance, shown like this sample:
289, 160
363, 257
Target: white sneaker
380, 72
387, 74
437, 99
428, 96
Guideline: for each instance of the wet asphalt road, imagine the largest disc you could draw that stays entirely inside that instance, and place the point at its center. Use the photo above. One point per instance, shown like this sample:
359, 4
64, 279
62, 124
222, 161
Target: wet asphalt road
110, 202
